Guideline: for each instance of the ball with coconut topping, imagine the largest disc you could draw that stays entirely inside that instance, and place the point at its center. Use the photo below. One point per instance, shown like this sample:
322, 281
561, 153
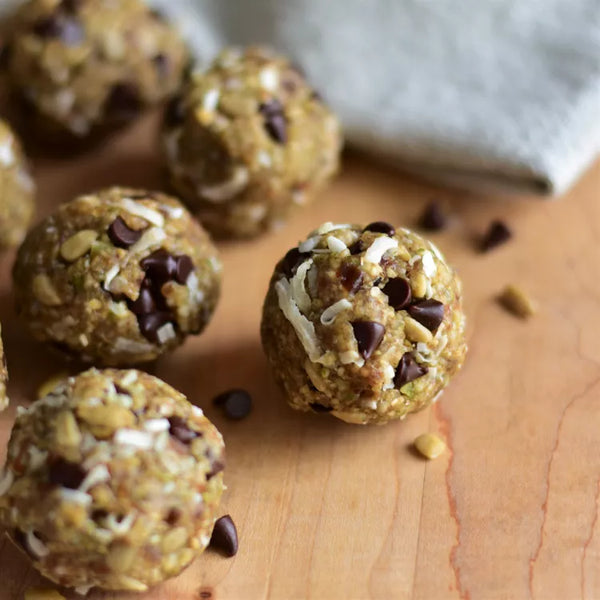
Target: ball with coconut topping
112, 481
248, 141
364, 323
117, 277
17, 189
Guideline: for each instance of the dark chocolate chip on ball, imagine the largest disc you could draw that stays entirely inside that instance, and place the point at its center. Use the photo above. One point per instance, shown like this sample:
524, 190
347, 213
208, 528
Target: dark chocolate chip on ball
160, 266
179, 429
429, 313
65, 473
183, 268
433, 217
408, 370
236, 403
124, 101
121, 235
149, 324
498, 233
398, 292
291, 261
275, 121
224, 536
351, 277
380, 227
368, 336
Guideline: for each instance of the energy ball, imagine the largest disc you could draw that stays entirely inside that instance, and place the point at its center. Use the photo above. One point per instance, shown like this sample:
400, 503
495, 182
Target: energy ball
112, 480
249, 140
86, 66
17, 190
117, 277
363, 323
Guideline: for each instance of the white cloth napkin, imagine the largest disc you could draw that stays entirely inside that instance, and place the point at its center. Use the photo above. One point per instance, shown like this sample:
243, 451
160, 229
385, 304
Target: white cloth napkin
485, 94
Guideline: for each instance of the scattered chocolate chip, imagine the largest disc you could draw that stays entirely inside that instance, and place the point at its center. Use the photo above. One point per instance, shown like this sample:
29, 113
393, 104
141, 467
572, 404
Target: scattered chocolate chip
429, 313
398, 292
320, 408
162, 64
149, 324
408, 370
291, 260
205, 594
351, 277
175, 112
123, 102
275, 121
216, 467
172, 517
65, 473
183, 267
236, 403
145, 304
497, 234
224, 536
368, 336
121, 235
380, 227
179, 429
356, 248
160, 266
433, 218
65, 28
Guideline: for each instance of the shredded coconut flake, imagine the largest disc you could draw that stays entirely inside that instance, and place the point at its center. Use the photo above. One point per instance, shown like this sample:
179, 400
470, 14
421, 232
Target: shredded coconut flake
228, 189
7, 156
25, 181
305, 330
138, 209
174, 212
309, 244
195, 293
264, 159
298, 290
329, 315
436, 251
131, 346
378, 248
99, 474
118, 308
110, 275
210, 100
165, 333
83, 590
37, 458
197, 411
133, 437
335, 244
120, 527
37, 547
156, 425
129, 377
6, 481
351, 356
429, 266
269, 79
75, 496
150, 237
329, 226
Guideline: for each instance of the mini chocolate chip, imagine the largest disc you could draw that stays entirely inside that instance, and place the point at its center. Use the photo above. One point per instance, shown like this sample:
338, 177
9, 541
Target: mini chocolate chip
179, 429
67, 29
429, 313
320, 408
497, 234
149, 324
121, 235
160, 266
65, 473
351, 277
291, 260
398, 292
216, 467
172, 517
368, 336
224, 536
145, 304
123, 101
408, 370
356, 248
433, 218
175, 112
380, 227
162, 64
275, 121
183, 268
236, 403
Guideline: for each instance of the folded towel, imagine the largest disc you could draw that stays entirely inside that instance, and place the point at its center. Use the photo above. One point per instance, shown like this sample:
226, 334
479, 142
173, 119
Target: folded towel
484, 94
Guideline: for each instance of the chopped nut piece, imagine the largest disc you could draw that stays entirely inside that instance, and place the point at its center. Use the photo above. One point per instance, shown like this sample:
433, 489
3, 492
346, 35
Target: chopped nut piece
51, 383
106, 417
416, 332
514, 299
418, 284
66, 430
77, 245
44, 291
430, 445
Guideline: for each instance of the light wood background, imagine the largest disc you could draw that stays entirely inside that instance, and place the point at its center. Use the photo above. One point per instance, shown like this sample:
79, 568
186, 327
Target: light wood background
330, 511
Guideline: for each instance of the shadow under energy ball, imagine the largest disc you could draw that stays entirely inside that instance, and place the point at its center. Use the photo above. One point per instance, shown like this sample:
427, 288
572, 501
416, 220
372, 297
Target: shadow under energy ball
363, 323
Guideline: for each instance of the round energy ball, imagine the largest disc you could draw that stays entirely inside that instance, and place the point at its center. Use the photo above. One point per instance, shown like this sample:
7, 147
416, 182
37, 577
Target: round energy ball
248, 141
87, 66
117, 277
363, 323
17, 189
112, 480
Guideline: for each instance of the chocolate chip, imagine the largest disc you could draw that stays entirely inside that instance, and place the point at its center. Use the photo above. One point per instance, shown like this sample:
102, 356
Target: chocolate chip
172, 517
121, 235
497, 234
183, 267
398, 292
205, 594
162, 64
291, 260
65, 473
149, 324
175, 112
351, 277
65, 28
408, 370
320, 408
224, 536
356, 248
160, 266
380, 227
179, 429
236, 403
275, 121
433, 218
429, 313
123, 102
216, 467
368, 336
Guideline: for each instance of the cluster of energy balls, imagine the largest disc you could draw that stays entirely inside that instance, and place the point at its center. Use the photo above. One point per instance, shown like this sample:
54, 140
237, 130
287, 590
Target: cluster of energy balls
112, 478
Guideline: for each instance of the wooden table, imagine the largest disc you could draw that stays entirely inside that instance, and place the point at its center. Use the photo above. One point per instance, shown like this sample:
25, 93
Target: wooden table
330, 511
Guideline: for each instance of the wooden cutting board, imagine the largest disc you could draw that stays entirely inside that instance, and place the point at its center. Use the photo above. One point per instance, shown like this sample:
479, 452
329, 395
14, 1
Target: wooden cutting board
330, 511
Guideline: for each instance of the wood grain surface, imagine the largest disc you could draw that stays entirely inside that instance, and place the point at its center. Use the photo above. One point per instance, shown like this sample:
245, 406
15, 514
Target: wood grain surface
330, 511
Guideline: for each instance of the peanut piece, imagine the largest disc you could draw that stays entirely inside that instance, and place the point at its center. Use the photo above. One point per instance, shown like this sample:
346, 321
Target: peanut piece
66, 430
174, 540
51, 383
514, 299
77, 245
430, 445
44, 290
418, 284
416, 332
